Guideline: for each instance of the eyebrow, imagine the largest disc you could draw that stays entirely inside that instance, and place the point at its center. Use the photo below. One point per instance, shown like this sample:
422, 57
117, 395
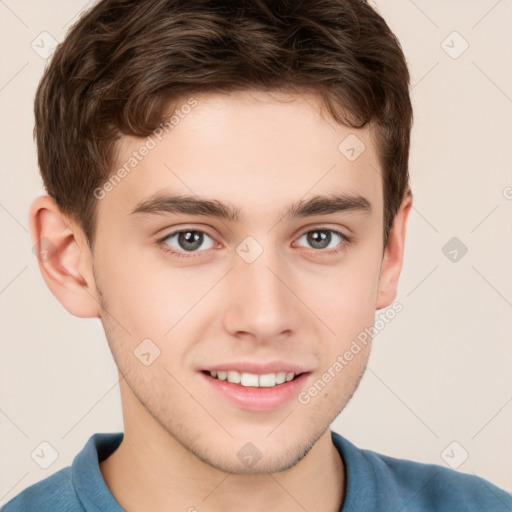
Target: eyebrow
160, 203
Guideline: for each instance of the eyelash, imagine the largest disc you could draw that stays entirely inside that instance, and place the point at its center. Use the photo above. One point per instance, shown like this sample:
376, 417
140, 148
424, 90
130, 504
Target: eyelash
180, 254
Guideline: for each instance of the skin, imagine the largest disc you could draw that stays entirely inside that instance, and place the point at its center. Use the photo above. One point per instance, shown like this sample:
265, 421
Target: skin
259, 153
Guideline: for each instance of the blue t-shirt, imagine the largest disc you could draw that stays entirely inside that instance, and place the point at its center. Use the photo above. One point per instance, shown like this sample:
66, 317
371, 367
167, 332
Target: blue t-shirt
374, 483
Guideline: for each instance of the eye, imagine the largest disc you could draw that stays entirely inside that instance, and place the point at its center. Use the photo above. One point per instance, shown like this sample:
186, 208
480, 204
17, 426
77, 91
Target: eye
323, 238
187, 240
186, 243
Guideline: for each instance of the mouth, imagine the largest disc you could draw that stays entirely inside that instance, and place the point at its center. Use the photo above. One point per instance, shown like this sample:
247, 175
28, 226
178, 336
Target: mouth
253, 380
256, 391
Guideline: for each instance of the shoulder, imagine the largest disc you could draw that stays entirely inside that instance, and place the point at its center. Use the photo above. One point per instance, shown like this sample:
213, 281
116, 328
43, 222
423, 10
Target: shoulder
75, 488
416, 486
54, 493
435, 487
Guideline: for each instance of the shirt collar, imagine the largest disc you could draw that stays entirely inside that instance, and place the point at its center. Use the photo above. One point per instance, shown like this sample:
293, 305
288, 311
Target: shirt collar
88, 481
362, 488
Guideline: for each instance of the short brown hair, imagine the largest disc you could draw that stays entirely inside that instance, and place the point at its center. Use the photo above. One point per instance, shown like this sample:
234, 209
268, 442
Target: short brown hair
124, 61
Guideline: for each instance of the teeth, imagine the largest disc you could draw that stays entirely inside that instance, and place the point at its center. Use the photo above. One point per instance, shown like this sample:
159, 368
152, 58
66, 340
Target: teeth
249, 379
234, 377
280, 377
267, 380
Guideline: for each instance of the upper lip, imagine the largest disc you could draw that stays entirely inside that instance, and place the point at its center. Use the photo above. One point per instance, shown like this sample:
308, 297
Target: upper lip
259, 368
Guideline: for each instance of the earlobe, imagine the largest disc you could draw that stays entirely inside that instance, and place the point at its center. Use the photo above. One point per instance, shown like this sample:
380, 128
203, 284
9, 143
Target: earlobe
64, 258
393, 256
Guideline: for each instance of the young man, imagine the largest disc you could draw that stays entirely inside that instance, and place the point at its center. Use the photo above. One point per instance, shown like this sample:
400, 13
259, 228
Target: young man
228, 193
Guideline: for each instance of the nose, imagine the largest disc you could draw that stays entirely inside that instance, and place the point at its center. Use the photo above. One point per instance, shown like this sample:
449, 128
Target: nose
263, 298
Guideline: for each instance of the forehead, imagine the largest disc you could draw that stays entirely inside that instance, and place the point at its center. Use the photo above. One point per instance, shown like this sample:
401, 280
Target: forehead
256, 150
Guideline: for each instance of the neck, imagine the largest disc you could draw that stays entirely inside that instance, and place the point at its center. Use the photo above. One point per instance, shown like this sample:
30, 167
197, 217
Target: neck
151, 470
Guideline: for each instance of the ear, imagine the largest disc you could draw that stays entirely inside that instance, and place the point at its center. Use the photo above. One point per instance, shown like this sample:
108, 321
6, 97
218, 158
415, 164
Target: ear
64, 258
393, 256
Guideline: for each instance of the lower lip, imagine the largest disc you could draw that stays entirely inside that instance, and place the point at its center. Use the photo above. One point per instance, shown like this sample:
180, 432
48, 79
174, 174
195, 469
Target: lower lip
258, 399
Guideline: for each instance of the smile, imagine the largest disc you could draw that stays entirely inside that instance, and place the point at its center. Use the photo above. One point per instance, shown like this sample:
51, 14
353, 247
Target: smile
253, 391
267, 380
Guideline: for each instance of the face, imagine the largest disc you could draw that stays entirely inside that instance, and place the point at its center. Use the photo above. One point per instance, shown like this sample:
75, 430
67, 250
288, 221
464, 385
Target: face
276, 285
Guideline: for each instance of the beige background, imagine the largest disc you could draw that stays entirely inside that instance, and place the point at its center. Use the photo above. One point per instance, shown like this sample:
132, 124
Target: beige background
439, 372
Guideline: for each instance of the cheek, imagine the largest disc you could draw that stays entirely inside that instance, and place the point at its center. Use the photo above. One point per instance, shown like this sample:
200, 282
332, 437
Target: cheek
345, 296
150, 297
142, 292
152, 302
